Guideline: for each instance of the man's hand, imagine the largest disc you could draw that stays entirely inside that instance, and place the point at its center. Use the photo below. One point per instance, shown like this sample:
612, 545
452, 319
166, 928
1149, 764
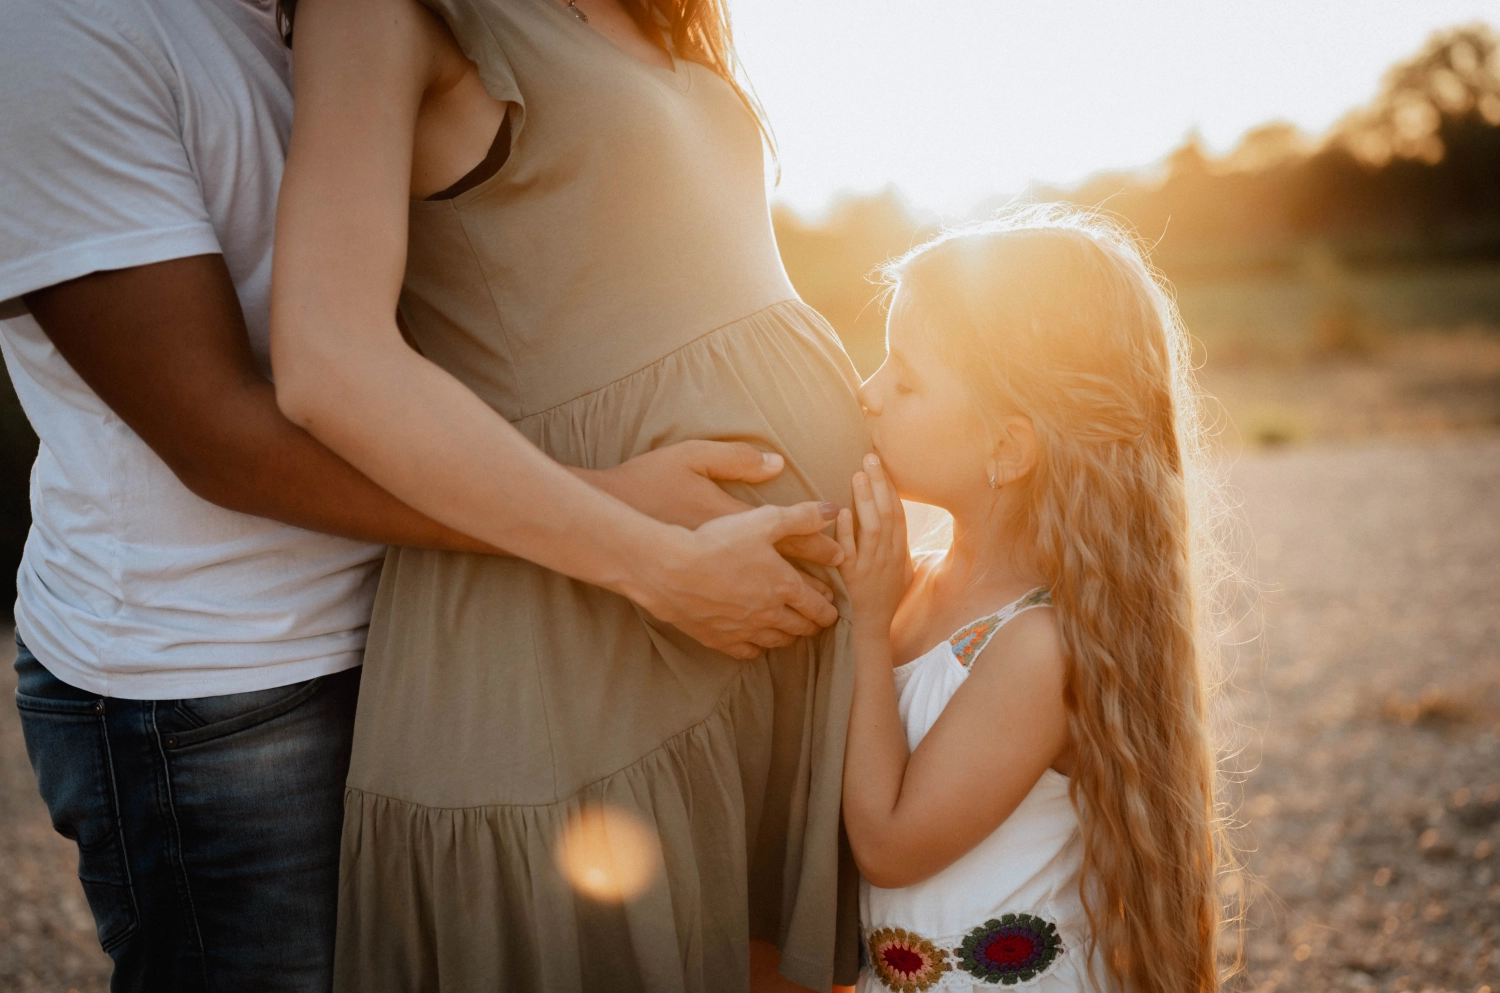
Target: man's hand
676, 485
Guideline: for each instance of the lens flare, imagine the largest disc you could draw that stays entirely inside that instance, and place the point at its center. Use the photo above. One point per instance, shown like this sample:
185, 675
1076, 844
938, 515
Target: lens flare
608, 854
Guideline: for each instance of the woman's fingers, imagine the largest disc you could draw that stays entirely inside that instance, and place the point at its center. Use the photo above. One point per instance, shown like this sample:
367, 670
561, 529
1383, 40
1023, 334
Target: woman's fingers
844, 532
792, 624
819, 549
799, 518
771, 638
824, 590
808, 602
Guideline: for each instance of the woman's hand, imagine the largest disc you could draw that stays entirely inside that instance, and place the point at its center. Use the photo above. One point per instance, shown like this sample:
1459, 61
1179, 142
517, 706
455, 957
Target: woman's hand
726, 586
877, 568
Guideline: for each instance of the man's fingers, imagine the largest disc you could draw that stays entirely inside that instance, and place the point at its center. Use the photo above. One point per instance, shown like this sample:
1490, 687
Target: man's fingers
818, 549
800, 518
734, 460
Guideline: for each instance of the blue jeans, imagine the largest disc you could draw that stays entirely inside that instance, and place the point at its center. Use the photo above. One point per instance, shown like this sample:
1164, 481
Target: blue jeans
207, 829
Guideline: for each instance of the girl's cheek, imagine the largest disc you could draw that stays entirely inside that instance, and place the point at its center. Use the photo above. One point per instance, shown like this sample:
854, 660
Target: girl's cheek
933, 450
907, 450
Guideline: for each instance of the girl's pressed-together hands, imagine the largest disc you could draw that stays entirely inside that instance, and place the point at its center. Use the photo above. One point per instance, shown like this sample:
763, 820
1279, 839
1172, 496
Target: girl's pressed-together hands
911, 812
877, 565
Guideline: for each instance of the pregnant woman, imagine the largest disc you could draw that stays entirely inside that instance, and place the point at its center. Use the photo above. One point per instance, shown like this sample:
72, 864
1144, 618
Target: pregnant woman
595, 278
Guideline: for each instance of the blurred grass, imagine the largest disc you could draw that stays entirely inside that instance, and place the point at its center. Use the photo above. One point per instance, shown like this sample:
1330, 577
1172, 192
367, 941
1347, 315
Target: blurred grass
1333, 310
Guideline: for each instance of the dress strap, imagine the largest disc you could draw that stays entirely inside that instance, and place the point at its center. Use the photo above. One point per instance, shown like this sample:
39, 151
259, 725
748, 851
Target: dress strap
972, 638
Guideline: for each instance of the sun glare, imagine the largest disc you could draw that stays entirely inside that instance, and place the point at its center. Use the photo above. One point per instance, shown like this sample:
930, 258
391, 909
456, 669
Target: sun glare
608, 854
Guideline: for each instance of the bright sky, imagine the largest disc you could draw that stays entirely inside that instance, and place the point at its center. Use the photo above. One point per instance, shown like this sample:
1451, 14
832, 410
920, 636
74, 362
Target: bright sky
954, 101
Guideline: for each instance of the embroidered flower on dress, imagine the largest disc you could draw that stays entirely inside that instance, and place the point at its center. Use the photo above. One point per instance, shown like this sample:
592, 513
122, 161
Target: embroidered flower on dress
971, 641
906, 962
1009, 950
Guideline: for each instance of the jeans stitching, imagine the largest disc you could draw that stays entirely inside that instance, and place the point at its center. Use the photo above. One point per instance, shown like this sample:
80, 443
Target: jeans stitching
49, 705
179, 863
119, 825
250, 719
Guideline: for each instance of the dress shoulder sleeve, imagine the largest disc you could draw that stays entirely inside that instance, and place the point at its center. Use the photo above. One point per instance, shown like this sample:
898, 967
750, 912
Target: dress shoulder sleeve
479, 33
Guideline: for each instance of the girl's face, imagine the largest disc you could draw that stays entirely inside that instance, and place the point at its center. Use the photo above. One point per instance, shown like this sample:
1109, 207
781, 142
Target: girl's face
922, 419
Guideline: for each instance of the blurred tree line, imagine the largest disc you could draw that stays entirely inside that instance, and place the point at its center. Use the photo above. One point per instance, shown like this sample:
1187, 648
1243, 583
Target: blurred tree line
1411, 179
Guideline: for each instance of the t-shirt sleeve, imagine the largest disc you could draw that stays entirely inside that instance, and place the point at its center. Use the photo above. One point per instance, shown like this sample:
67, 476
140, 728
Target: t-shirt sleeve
93, 171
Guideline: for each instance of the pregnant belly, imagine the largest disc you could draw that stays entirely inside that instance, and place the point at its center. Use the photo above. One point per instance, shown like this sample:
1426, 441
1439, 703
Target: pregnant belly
778, 380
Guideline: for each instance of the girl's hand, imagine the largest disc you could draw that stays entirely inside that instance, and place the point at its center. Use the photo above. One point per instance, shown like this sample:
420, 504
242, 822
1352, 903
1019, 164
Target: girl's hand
877, 568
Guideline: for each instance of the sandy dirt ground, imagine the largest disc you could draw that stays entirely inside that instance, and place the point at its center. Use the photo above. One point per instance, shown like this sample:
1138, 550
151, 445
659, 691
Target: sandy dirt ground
1370, 714
1367, 712
1422, 383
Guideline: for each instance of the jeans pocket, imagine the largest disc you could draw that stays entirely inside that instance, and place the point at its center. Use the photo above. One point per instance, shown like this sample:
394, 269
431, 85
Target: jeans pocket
69, 751
212, 717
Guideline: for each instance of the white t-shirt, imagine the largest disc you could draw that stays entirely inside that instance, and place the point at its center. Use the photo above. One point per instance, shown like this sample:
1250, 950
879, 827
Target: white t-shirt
132, 132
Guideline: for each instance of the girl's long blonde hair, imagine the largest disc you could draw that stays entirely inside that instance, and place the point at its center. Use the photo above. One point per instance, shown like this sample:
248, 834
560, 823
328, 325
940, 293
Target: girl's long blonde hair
1051, 312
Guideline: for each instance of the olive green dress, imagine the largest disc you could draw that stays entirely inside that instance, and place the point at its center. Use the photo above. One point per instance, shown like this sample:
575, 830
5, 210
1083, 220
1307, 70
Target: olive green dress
614, 288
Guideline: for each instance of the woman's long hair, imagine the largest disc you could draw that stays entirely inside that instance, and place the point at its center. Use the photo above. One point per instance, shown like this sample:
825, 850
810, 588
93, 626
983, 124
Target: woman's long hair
698, 31
1052, 313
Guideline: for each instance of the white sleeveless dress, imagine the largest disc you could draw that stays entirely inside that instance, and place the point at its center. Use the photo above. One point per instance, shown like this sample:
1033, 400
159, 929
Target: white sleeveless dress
1007, 915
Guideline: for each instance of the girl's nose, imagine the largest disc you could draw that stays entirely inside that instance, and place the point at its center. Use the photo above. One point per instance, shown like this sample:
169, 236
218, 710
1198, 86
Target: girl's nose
867, 398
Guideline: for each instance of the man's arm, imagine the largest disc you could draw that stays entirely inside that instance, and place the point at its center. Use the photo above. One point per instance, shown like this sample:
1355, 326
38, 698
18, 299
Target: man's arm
164, 345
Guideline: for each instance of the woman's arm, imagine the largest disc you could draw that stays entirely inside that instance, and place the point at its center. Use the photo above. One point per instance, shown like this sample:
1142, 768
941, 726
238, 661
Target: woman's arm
911, 814
344, 373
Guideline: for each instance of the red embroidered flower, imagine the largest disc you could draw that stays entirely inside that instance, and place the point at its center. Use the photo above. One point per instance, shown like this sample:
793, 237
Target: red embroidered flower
1011, 949
906, 962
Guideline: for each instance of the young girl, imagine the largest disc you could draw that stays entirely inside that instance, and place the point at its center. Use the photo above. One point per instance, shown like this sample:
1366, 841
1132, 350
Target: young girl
1028, 785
